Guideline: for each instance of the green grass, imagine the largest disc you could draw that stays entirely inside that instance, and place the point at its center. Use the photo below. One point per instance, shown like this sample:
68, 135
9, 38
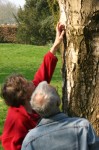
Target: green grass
24, 59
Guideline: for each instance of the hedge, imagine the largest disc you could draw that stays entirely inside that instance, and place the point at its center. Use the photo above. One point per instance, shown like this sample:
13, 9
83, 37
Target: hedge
8, 33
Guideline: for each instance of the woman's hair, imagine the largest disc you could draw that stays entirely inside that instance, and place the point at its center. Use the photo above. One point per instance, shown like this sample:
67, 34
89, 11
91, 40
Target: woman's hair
45, 100
14, 91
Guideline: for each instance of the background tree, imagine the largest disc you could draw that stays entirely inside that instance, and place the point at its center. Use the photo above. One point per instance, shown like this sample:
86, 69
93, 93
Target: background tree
81, 59
7, 9
54, 8
36, 25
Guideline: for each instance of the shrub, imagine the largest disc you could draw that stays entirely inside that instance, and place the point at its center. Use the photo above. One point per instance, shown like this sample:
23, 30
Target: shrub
8, 33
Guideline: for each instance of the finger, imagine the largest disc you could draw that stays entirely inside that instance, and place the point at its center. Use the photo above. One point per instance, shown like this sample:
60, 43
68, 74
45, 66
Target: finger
57, 27
62, 33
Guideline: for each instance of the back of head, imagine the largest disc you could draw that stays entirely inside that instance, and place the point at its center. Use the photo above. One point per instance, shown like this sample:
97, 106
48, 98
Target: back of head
45, 100
14, 91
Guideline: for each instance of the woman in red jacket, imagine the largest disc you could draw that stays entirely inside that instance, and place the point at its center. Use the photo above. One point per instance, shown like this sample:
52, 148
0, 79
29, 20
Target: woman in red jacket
16, 93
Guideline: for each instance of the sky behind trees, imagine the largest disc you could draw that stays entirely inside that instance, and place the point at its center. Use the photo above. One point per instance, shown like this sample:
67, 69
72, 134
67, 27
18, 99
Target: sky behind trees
8, 9
7, 12
17, 2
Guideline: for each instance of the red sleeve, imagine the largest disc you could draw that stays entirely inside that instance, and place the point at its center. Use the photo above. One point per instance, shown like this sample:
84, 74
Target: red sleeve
17, 125
14, 133
46, 69
14, 142
0, 138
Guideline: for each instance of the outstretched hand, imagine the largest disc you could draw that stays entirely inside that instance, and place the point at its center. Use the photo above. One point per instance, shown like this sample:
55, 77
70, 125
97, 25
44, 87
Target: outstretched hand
60, 30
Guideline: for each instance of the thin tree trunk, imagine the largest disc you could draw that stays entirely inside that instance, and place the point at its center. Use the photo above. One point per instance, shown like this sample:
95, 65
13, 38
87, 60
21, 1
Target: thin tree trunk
81, 59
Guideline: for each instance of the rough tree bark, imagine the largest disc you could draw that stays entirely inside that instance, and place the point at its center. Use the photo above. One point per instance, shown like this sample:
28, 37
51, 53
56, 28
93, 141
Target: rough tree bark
81, 59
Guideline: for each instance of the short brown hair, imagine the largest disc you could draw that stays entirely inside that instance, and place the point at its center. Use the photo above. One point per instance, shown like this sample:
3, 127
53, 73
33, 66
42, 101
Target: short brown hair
14, 91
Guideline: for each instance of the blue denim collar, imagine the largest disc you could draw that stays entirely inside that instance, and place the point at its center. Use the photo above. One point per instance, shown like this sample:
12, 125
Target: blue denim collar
57, 117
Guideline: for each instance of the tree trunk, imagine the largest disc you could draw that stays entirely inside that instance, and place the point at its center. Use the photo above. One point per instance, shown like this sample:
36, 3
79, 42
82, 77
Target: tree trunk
80, 55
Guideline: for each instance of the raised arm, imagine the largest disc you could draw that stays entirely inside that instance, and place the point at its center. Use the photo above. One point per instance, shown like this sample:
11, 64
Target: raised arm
48, 65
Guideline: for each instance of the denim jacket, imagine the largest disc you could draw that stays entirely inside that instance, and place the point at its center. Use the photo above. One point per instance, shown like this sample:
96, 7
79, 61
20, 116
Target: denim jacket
61, 132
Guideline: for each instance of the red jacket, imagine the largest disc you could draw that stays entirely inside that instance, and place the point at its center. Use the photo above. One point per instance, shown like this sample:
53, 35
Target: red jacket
18, 121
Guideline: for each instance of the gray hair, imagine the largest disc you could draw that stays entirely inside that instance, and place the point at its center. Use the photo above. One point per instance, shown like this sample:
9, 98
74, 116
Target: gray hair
45, 100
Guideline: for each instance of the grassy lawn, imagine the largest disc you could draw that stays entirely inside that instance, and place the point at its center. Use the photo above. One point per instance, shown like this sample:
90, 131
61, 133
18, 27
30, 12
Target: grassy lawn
24, 59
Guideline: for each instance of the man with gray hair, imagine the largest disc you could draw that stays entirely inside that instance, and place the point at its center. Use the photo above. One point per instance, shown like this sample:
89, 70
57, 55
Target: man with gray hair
57, 131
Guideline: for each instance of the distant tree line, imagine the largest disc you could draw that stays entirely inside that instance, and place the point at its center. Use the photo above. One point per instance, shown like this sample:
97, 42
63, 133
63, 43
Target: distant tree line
7, 12
36, 22
8, 27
